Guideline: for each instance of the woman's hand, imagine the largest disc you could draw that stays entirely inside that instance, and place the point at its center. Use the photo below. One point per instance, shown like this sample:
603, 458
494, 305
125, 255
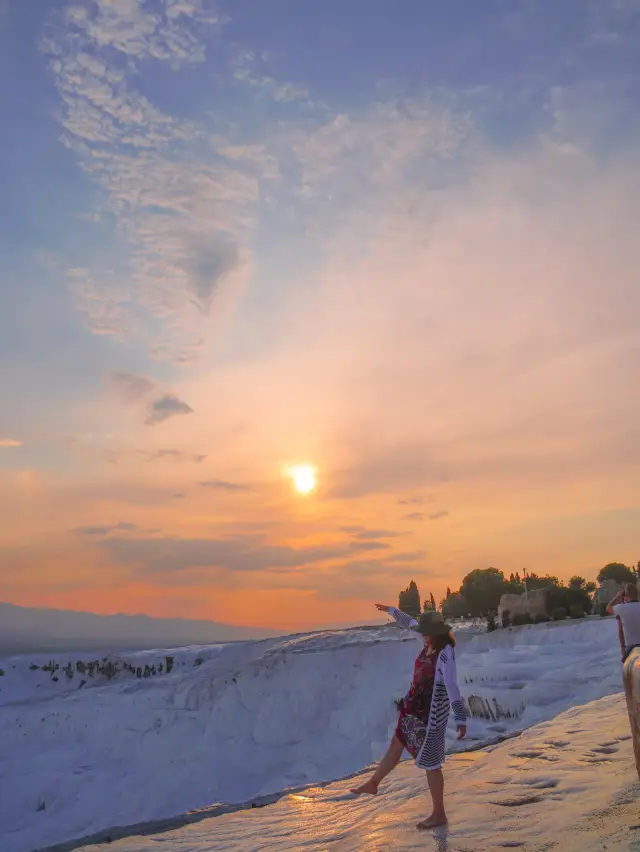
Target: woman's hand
383, 607
462, 732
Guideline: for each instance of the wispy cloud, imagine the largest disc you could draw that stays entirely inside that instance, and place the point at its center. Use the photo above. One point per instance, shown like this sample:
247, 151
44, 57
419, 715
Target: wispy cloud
241, 553
186, 193
223, 485
103, 530
165, 407
436, 516
130, 386
176, 455
366, 534
10, 442
181, 210
370, 545
133, 388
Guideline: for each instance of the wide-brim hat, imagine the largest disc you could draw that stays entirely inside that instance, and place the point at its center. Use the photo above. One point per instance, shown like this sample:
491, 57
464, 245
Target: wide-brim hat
432, 624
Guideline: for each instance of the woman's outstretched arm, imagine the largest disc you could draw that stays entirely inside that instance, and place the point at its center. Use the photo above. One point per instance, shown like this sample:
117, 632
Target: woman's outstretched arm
401, 618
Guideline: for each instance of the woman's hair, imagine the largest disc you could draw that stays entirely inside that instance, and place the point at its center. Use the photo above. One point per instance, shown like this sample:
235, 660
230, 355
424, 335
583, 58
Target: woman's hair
631, 591
438, 643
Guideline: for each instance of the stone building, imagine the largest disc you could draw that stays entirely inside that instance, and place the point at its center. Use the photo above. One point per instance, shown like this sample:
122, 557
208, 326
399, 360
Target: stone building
534, 603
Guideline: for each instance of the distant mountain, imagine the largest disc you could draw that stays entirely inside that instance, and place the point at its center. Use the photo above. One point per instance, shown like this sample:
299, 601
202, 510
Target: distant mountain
38, 629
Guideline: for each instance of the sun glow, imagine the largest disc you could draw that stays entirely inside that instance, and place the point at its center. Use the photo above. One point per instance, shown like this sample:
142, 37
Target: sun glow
304, 478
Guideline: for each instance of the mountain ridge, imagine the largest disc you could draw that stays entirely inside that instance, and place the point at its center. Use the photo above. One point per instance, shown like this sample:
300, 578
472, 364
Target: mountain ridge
35, 628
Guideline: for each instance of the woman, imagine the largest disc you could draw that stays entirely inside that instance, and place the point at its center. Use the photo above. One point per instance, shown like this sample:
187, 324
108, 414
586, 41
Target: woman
424, 711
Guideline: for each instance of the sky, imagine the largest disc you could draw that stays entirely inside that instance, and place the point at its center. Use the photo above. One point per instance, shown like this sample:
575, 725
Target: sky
393, 241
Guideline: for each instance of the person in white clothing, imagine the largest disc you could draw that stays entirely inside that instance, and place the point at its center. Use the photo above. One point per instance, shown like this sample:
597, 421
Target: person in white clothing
626, 607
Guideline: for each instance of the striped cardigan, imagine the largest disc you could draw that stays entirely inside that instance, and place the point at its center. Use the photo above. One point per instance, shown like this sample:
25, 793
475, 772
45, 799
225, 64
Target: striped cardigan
446, 697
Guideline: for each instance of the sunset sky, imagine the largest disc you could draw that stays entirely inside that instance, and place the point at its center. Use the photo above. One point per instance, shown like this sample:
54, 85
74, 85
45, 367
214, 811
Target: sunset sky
396, 241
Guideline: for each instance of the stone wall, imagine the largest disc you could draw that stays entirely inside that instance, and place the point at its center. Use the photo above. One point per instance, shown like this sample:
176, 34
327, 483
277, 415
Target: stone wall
631, 674
532, 602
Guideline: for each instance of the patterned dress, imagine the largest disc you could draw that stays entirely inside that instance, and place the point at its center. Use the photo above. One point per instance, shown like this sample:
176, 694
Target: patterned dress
434, 692
412, 724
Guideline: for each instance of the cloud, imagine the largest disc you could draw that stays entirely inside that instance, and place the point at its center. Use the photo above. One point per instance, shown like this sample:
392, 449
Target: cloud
437, 515
133, 388
90, 447
183, 212
165, 407
187, 193
412, 501
122, 526
10, 442
248, 67
223, 485
178, 495
176, 455
370, 545
366, 534
369, 578
411, 556
130, 386
414, 516
208, 264
141, 32
240, 553
389, 137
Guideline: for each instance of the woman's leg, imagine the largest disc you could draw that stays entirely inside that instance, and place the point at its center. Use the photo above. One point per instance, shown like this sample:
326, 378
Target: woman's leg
386, 765
436, 788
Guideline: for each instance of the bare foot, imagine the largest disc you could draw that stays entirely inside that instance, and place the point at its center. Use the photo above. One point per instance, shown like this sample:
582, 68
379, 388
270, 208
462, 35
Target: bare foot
369, 787
434, 821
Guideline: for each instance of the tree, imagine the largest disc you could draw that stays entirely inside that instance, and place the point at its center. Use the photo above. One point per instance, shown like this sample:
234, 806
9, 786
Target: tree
409, 600
576, 595
449, 590
513, 586
617, 572
482, 590
580, 583
455, 606
429, 603
535, 582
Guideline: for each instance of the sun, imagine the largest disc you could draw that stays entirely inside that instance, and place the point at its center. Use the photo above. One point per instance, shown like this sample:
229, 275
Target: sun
304, 478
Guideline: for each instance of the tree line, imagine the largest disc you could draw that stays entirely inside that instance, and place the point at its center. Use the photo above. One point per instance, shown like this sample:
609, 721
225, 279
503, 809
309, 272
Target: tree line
480, 592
